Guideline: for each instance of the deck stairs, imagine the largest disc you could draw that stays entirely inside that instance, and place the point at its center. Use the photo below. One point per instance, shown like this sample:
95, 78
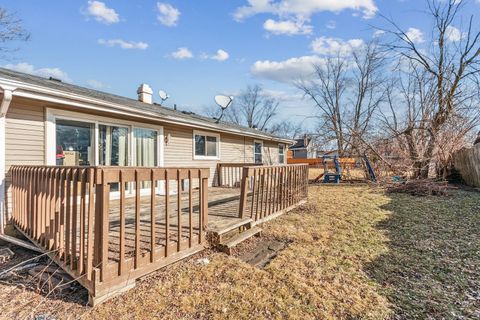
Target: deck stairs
227, 238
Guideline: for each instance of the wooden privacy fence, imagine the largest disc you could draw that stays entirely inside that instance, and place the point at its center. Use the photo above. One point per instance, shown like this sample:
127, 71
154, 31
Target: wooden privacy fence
230, 174
107, 226
268, 191
467, 162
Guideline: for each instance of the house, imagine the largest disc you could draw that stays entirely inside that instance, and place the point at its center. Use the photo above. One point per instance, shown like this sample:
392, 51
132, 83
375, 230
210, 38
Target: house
113, 188
48, 122
303, 148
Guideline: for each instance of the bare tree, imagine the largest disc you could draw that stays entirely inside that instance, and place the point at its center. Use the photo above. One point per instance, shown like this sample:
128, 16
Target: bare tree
346, 90
11, 29
253, 108
286, 129
442, 83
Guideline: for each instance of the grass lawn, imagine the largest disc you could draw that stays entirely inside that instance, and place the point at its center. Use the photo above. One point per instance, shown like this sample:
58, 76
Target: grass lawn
352, 252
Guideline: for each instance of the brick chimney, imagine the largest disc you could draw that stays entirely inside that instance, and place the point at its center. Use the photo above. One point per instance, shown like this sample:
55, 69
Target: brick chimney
145, 93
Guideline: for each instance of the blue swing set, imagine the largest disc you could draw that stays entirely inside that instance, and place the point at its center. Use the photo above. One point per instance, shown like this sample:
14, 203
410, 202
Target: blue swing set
335, 177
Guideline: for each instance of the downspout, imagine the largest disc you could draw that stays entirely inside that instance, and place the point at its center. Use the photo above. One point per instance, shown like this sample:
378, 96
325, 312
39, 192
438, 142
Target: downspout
5, 104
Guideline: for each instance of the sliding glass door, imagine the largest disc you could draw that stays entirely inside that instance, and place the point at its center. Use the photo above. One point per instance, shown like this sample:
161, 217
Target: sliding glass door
80, 142
146, 147
112, 145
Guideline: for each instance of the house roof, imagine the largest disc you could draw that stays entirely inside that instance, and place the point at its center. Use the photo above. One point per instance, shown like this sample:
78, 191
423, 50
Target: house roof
23, 83
300, 144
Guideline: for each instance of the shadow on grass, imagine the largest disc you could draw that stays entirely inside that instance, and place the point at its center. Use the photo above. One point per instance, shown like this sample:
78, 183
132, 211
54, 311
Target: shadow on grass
432, 266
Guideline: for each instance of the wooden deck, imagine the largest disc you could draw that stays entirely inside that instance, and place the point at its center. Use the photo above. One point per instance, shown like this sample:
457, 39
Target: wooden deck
222, 214
98, 226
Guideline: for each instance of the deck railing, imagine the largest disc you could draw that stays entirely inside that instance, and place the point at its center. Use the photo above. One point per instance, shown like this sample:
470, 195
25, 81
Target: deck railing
107, 226
268, 191
230, 174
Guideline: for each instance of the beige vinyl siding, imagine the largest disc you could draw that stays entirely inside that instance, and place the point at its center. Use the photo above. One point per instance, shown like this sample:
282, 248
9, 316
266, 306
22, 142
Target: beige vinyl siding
179, 150
25, 135
24, 138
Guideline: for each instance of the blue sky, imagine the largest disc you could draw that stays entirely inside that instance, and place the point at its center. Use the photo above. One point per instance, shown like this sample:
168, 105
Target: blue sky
196, 49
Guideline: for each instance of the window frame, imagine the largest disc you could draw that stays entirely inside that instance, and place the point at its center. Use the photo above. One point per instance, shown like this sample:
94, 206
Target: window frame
206, 134
283, 147
261, 152
134, 143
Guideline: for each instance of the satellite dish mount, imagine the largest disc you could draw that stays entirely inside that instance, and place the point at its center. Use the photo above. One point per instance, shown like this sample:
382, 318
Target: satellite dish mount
223, 102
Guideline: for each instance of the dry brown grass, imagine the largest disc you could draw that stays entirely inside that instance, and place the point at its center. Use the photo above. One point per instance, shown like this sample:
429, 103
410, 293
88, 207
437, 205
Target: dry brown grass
353, 252
319, 275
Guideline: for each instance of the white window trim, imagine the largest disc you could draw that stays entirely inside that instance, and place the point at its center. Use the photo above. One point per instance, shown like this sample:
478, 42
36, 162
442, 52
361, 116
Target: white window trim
50, 136
284, 156
206, 133
263, 153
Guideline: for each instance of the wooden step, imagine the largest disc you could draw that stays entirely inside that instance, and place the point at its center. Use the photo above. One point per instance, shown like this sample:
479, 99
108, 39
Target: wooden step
244, 222
234, 241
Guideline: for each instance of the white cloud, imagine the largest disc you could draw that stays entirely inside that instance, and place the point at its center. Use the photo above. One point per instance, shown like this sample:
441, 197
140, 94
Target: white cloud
287, 70
102, 13
24, 67
95, 84
415, 35
303, 8
182, 53
333, 46
167, 14
331, 24
282, 95
287, 27
123, 44
378, 33
453, 34
221, 55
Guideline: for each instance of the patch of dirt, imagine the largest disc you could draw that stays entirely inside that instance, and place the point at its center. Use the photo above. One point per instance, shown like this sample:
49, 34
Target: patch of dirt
263, 253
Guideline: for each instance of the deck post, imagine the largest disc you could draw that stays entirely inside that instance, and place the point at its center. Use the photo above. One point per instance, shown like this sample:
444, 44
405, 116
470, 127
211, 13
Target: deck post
219, 174
243, 193
102, 190
205, 202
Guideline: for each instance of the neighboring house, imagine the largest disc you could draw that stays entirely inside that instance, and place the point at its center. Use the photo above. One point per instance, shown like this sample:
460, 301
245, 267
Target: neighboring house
47, 122
303, 148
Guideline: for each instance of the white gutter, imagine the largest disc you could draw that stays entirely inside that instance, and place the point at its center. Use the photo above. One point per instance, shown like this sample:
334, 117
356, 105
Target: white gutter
36, 92
4, 105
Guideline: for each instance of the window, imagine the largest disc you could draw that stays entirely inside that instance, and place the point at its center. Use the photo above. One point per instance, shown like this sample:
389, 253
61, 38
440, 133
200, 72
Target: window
206, 145
257, 151
112, 145
281, 154
146, 146
74, 143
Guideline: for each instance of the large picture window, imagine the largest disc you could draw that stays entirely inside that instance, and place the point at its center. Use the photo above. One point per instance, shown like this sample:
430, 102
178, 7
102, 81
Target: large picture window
206, 145
258, 151
74, 143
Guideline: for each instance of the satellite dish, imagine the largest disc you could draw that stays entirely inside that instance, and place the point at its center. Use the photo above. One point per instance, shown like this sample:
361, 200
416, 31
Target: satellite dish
163, 95
223, 101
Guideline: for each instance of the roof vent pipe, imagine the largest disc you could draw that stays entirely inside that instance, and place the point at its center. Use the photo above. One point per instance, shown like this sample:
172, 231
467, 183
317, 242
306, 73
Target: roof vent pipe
145, 93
